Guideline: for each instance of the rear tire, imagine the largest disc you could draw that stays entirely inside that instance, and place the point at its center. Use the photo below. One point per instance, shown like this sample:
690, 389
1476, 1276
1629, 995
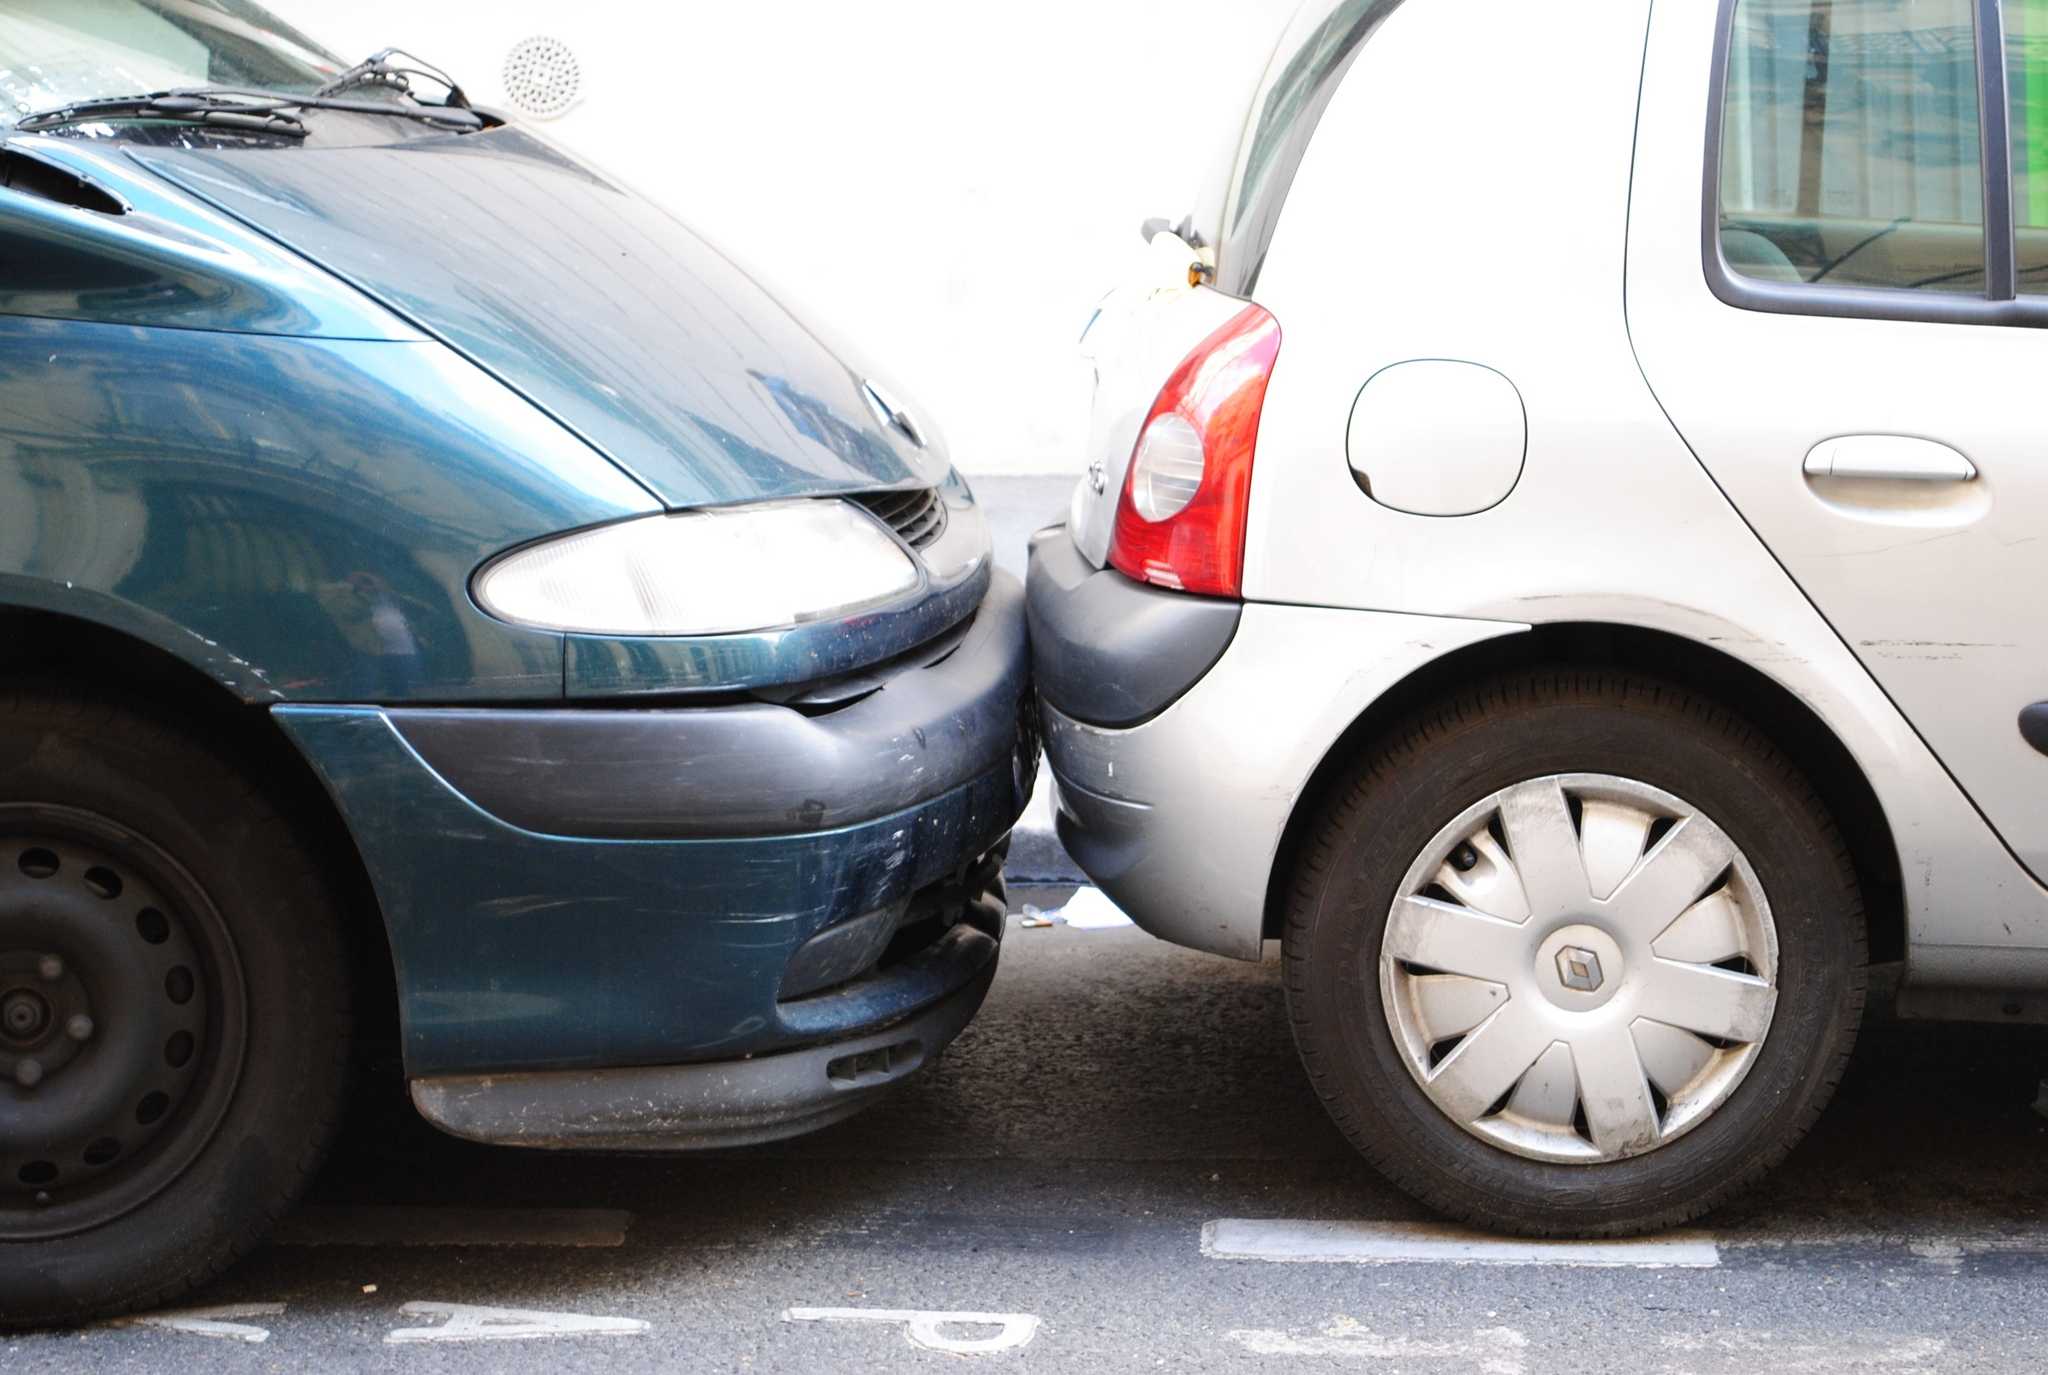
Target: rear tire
1380, 1013
173, 961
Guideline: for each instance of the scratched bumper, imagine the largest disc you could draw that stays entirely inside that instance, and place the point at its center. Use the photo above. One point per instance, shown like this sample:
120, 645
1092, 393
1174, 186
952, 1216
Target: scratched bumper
629, 925
690, 1107
1180, 818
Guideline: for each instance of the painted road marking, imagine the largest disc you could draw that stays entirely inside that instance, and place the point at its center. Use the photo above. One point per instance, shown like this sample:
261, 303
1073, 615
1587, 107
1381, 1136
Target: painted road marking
1390, 1243
925, 1328
1493, 1350
391, 1226
1950, 1246
1843, 1351
467, 1323
209, 1322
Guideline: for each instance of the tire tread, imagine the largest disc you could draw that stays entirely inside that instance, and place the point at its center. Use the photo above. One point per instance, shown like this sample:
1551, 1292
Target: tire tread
1383, 763
286, 843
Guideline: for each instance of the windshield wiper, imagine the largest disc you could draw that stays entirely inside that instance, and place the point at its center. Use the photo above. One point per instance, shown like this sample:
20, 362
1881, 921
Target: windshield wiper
393, 69
200, 107
271, 112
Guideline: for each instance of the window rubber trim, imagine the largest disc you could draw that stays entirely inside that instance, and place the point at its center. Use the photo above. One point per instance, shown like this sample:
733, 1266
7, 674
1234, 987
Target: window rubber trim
1244, 235
1999, 305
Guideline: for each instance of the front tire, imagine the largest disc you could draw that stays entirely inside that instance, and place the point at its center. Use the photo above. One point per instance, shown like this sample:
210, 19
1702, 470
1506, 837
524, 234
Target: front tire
1574, 954
174, 1011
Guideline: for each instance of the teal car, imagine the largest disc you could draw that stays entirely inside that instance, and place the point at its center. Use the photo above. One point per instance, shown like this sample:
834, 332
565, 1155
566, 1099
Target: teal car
443, 601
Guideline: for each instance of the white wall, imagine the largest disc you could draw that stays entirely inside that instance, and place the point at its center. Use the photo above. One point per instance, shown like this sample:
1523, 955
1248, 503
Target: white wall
954, 183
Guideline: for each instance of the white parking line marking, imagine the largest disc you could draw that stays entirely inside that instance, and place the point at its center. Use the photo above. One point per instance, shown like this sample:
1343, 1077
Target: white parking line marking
924, 1328
467, 1323
1390, 1243
1949, 1245
1495, 1350
209, 1322
393, 1226
1783, 1356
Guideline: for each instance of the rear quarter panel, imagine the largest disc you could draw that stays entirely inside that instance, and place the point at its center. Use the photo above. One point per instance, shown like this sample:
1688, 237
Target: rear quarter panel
1467, 197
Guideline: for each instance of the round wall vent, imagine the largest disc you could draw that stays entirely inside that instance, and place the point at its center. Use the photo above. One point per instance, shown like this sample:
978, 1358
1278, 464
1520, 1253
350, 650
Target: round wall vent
541, 76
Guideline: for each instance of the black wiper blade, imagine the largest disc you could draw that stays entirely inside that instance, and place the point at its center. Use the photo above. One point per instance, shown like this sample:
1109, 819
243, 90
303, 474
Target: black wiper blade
269, 116
443, 116
393, 69
237, 108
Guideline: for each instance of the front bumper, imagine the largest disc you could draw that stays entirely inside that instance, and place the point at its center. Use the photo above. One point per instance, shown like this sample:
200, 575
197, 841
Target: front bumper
578, 890
1179, 817
688, 1107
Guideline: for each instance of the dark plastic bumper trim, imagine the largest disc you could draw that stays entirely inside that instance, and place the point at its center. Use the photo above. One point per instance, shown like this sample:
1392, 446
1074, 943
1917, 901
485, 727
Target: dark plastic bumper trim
755, 769
692, 1107
2034, 726
1109, 651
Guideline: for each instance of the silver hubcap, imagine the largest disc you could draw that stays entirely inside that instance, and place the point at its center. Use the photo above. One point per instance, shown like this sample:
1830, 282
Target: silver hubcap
1579, 968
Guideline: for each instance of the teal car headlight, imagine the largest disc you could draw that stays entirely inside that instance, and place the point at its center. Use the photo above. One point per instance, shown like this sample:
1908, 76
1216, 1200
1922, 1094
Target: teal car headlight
720, 571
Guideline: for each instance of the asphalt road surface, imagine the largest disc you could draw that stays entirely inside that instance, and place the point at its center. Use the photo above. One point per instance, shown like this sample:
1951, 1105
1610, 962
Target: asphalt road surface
1095, 1167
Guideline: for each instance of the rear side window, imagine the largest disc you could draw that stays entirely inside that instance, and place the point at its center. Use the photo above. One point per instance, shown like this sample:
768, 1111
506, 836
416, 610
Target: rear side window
1320, 43
1880, 159
2026, 84
1851, 145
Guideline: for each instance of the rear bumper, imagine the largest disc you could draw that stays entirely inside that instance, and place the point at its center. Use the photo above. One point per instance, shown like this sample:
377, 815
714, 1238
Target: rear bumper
1111, 651
664, 888
1179, 817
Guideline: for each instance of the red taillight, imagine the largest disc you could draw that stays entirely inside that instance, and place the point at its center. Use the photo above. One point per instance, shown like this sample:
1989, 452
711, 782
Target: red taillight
1180, 519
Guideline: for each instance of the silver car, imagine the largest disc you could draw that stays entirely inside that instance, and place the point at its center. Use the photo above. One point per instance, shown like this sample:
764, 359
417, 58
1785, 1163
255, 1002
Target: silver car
1563, 553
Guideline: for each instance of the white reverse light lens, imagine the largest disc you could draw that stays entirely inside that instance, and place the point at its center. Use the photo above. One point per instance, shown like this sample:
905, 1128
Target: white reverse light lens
1167, 468
702, 572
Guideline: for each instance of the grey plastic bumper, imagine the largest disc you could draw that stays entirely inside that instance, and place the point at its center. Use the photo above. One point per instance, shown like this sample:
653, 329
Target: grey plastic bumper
1180, 819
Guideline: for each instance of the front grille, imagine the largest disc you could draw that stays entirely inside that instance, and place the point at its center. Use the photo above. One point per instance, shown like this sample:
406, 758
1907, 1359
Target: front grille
917, 516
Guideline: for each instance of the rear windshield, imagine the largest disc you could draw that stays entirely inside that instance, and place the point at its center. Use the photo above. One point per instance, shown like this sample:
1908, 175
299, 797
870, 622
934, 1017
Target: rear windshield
58, 52
1319, 45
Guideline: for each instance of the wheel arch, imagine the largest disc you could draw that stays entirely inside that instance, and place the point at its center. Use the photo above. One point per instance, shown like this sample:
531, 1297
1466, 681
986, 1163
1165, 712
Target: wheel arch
1793, 726
39, 646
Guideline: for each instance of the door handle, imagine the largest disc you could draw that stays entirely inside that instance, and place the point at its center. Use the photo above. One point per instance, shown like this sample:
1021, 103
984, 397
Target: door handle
1896, 457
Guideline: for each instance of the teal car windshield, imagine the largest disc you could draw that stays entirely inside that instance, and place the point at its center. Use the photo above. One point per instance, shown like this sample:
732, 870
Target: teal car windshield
59, 52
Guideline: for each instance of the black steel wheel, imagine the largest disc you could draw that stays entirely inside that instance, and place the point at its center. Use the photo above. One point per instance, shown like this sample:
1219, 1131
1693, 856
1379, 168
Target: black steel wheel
122, 1020
174, 1017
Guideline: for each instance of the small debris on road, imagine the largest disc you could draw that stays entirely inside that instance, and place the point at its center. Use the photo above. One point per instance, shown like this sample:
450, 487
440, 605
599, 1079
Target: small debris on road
1087, 910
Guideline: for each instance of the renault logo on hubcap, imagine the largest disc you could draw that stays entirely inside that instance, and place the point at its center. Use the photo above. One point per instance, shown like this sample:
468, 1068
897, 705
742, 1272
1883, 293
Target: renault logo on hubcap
1578, 968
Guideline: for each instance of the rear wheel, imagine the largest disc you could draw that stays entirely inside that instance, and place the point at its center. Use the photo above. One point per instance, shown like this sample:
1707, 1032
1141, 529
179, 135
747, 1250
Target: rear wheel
173, 1009
1575, 955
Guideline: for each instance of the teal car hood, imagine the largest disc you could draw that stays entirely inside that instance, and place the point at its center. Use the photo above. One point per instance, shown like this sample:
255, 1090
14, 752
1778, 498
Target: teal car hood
584, 297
